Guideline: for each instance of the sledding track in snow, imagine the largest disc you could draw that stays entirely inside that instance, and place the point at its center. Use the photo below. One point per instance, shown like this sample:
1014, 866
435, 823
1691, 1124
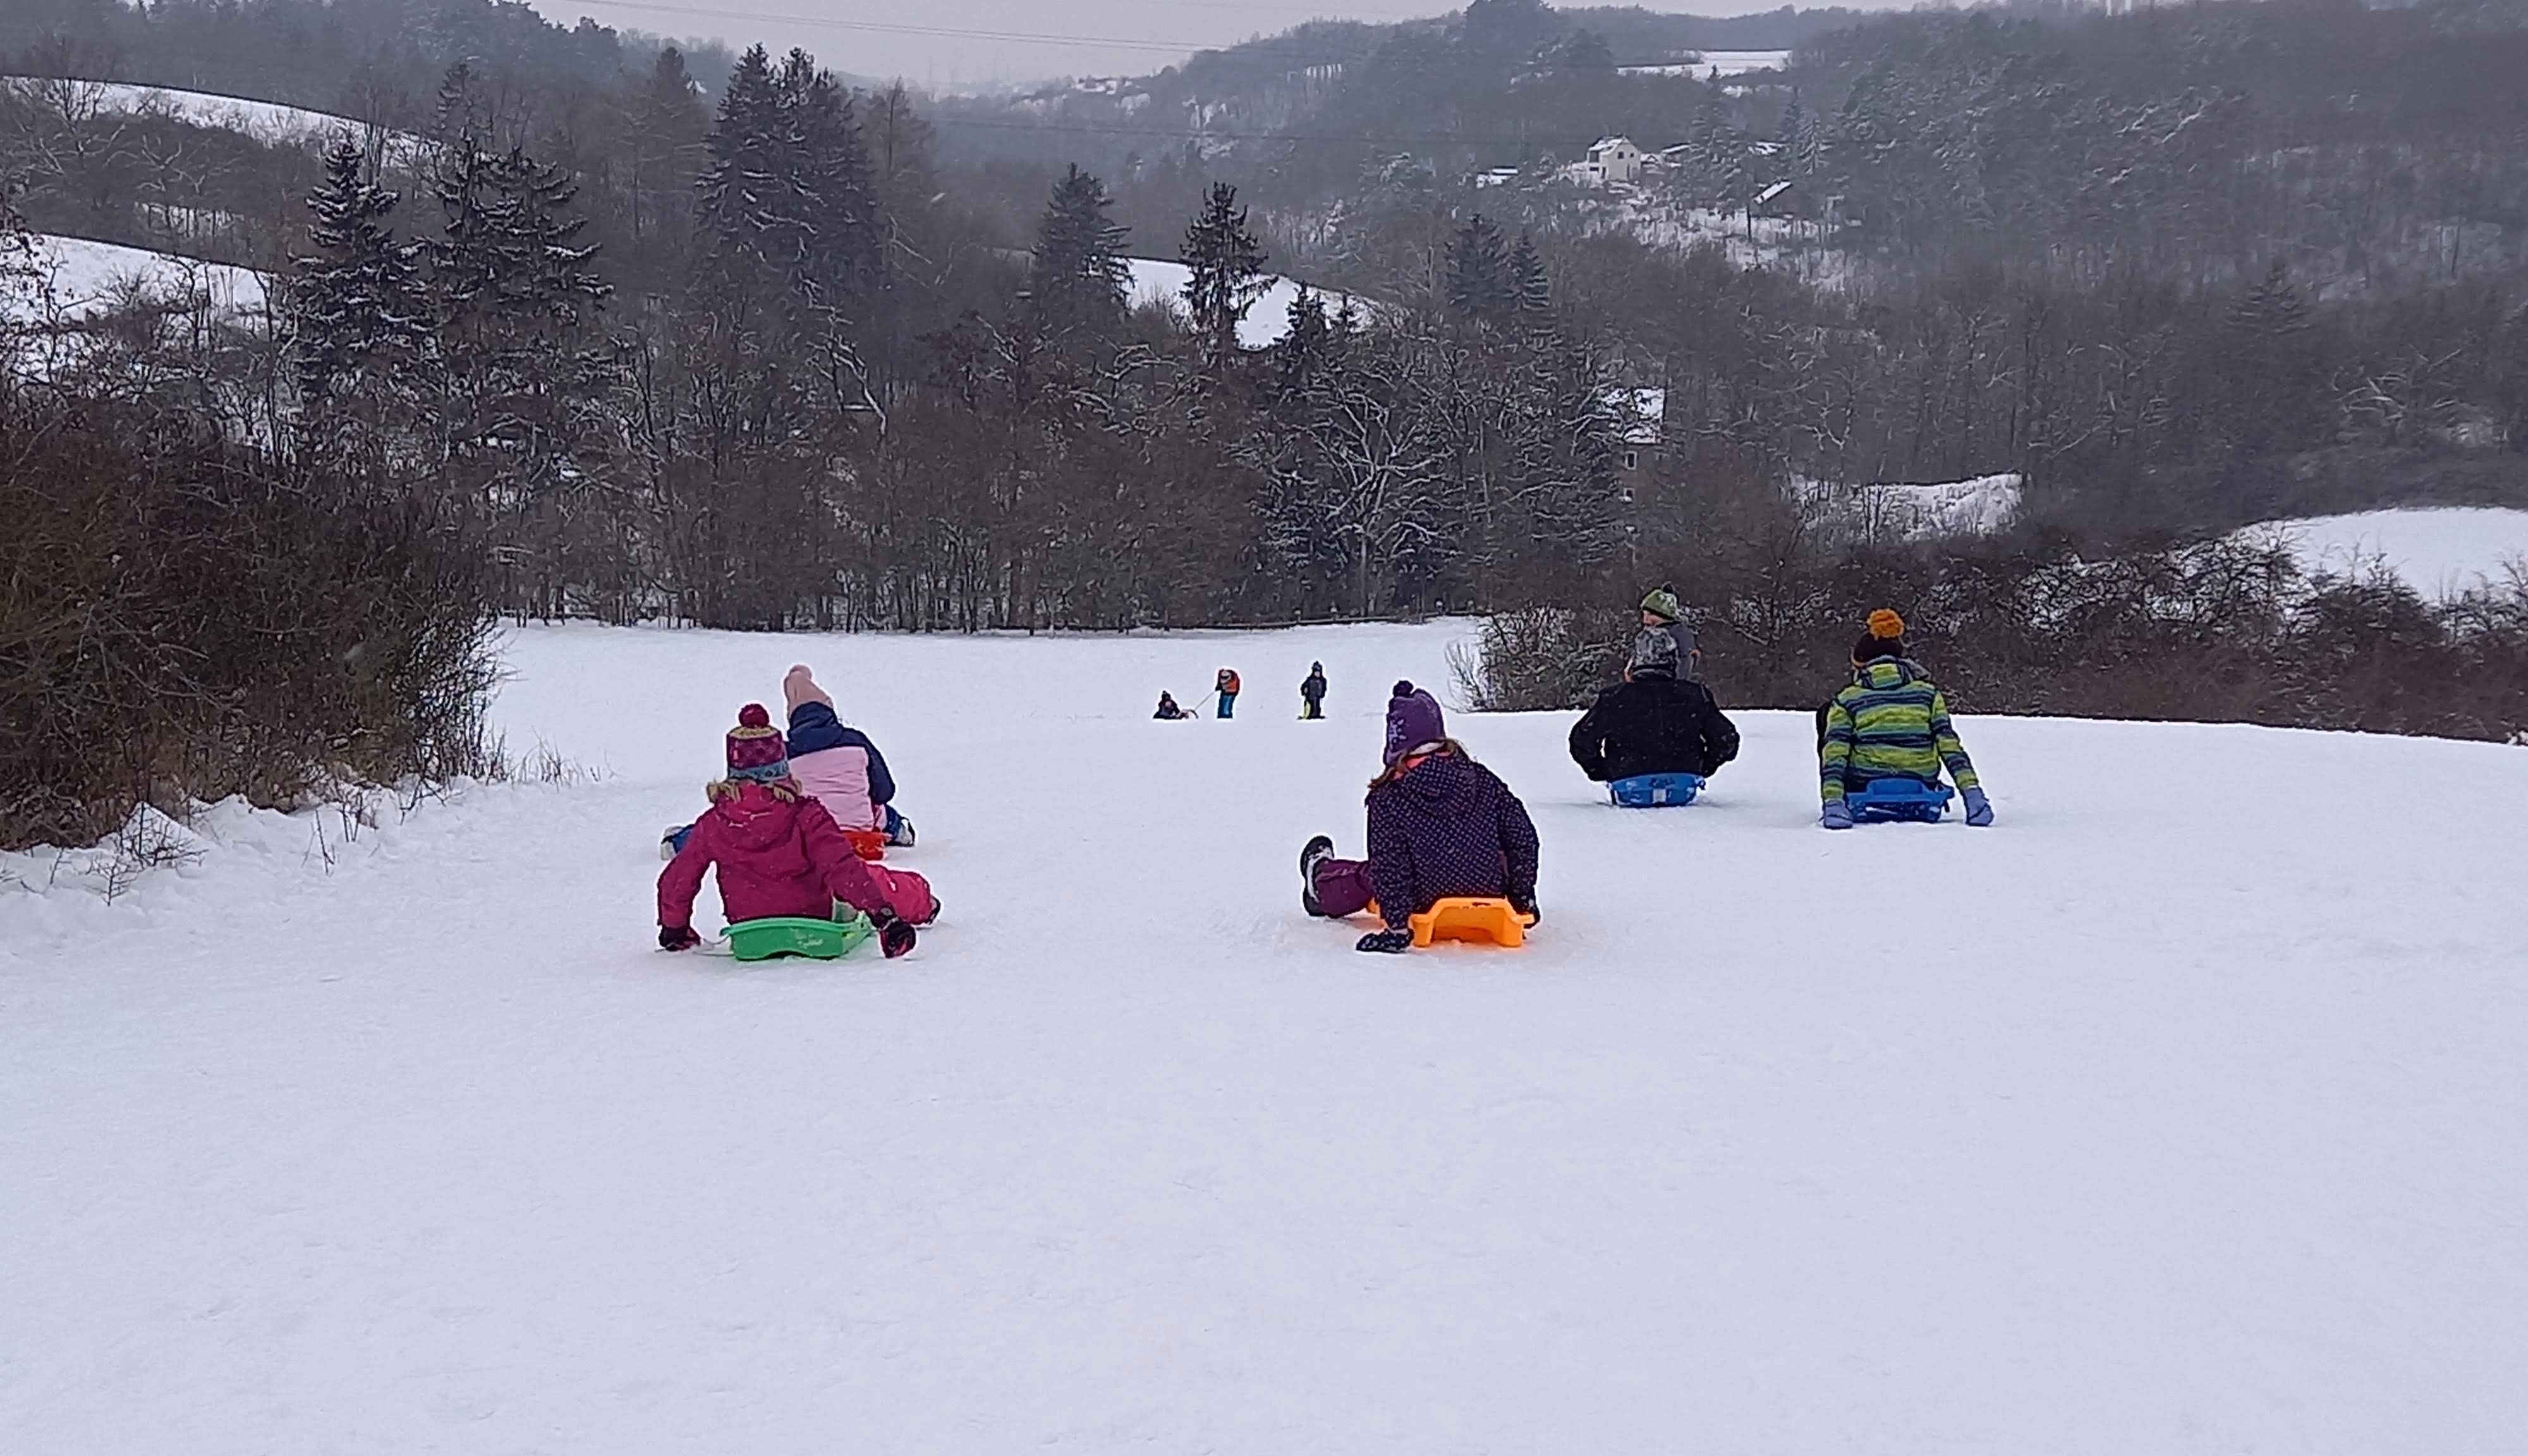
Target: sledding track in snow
2170, 1119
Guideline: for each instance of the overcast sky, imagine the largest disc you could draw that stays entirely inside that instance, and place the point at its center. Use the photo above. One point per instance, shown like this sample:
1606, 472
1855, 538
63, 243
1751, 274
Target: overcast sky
1098, 37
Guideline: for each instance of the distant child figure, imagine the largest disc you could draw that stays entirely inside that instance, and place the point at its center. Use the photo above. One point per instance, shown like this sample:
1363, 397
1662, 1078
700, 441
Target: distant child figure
839, 764
1439, 825
1653, 722
1228, 686
1168, 708
1312, 693
1661, 612
1892, 722
779, 852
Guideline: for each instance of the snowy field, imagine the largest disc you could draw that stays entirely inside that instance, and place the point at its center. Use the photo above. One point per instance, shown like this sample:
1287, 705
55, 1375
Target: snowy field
1156, 280
1725, 62
267, 122
2442, 552
79, 277
2178, 1113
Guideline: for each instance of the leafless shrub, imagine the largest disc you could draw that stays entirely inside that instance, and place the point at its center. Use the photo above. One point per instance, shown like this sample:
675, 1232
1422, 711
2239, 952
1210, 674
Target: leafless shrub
188, 618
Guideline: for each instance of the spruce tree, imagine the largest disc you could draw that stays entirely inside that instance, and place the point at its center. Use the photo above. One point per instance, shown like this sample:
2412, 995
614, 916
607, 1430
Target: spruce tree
1480, 289
664, 122
736, 196
1228, 267
1078, 276
358, 319
1531, 289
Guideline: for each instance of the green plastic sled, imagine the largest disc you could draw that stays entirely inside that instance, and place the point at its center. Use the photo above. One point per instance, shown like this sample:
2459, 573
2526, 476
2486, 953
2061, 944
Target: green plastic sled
786, 935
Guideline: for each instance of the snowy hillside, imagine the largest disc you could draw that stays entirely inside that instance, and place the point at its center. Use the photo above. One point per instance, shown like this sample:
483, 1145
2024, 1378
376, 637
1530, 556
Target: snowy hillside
83, 277
2173, 1114
1895, 510
1161, 283
2441, 553
267, 122
1722, 63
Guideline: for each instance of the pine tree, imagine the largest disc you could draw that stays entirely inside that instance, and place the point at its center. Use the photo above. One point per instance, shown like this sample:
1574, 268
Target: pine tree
737, 194
359, 323
1228, 267
663, 125
520, 411
1586, 52
2276, 373
1078, 276
456, 111
1532, 288
1480, 286
832, 189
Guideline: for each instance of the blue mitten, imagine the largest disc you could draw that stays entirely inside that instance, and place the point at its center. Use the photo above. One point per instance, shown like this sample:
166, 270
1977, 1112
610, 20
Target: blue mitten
1979, 807
1387, 942
1837, 814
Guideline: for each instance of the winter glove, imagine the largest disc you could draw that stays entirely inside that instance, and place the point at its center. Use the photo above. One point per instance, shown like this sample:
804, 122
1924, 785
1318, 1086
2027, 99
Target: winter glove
677, 938
1979, 807
1837, 815
894, 936
1525, 904
1387, 942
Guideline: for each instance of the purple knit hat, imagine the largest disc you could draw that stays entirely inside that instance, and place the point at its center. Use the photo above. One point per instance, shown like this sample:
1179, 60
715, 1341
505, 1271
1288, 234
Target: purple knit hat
1413, 720
755, 750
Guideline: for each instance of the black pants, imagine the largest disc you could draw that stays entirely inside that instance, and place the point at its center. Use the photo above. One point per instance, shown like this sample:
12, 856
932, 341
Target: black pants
1822, 711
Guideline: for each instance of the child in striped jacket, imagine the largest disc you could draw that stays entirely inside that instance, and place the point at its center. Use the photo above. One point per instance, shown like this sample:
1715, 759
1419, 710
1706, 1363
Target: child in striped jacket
1892, 722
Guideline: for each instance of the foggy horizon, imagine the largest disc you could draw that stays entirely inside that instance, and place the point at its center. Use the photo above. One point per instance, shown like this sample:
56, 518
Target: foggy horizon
1034, 42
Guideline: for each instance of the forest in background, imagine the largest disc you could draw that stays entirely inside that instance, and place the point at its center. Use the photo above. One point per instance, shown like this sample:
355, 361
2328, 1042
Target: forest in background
574, 323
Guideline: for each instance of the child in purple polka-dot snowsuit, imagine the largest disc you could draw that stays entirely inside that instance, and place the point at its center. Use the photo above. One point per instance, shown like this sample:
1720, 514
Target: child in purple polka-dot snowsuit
1439, 825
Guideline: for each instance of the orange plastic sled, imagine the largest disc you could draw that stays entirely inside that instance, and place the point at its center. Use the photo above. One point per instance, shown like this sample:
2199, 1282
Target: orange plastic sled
868, 844
1479, 920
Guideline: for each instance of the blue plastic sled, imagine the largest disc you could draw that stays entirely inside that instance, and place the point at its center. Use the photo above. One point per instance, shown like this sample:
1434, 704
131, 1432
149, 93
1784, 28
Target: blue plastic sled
1655, 790
1897, 800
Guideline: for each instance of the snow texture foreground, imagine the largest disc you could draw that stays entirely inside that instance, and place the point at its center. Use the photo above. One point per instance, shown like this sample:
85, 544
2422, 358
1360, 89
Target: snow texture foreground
2180, 1113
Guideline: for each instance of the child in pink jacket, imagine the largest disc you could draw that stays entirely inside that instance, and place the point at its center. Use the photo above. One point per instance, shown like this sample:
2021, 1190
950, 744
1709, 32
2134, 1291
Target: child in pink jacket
838, 764
779, 852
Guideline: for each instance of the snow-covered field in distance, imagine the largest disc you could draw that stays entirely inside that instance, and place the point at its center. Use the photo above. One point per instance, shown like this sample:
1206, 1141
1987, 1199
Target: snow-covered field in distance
1727, 63
1163, 283
267, 122
2174, 1113
86, 276
2439, 550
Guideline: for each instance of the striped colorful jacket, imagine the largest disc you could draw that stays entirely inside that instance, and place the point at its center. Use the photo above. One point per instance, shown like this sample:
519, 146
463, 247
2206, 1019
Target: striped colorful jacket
1892, 722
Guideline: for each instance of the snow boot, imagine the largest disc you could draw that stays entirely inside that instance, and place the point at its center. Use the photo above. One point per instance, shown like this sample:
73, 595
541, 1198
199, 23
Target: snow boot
1318, 851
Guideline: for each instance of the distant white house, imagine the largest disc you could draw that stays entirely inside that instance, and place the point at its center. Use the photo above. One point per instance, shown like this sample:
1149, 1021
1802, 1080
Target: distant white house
1613, 160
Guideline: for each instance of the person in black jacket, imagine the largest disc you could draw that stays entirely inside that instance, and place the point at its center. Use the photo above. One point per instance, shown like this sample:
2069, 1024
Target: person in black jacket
1652, 721
1312, 692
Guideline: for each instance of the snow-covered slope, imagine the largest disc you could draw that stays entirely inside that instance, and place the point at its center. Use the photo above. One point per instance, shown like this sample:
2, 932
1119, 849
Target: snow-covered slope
267, 122
84, 277
1724, 63
1986, 506
2176, 1113
2440, 551
1158, 281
